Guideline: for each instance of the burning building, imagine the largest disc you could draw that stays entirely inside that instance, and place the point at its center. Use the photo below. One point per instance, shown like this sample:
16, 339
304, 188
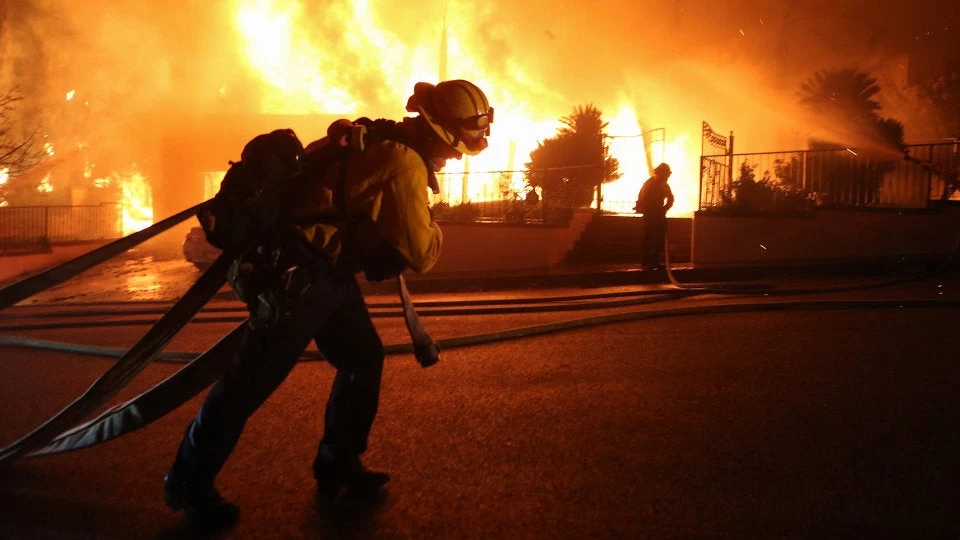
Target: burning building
147, 104
135, 97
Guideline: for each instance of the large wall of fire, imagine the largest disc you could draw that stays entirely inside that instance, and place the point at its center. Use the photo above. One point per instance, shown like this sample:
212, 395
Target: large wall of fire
143, 101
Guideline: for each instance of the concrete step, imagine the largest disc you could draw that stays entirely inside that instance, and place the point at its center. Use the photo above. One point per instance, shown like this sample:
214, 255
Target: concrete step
617, 239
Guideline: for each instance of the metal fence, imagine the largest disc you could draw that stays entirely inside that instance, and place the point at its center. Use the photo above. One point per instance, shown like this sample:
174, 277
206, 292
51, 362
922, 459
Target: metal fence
25, 229
619, 207
517, 211
836, 178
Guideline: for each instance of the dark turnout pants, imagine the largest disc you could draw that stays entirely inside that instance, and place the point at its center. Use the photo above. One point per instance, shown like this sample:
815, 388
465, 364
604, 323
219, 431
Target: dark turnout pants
654, 236
333, 313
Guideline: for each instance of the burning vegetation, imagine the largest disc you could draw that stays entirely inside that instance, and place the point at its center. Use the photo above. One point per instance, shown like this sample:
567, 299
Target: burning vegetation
104, 89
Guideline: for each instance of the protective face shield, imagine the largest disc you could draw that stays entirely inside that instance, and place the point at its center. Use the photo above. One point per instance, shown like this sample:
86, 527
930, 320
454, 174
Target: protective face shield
457, 111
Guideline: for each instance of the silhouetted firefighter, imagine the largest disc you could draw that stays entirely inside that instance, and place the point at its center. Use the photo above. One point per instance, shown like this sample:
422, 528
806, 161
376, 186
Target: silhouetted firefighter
653, 201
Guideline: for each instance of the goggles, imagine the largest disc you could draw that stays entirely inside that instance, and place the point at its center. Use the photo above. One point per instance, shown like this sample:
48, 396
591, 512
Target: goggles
472, 131
480, 122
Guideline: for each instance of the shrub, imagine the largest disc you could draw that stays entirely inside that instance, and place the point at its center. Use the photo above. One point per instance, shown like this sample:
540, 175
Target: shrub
467, 212
770, 194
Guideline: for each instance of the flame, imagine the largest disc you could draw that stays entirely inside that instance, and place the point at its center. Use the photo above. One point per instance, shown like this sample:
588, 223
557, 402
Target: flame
48, 148
4, 177
626, 144
137, 201
288, 61
70, 94
304, 74
685, 181
45, 186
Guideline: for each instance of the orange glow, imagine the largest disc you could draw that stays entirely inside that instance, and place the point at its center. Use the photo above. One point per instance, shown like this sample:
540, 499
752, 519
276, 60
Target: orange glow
45, 186
144, 284
137, 201
4, 177
626, 145
304, 75
288, 62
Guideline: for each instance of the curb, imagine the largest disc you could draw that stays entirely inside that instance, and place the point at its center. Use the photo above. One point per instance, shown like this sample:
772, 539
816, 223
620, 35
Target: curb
570, 278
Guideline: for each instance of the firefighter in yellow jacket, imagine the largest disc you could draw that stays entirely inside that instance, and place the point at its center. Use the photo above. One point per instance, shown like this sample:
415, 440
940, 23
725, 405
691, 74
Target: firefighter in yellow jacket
368, 211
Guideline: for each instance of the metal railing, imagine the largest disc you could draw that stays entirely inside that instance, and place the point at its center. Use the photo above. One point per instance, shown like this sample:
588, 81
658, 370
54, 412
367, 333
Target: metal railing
516, 211
25, 229
618, 206
837, 178
496, 197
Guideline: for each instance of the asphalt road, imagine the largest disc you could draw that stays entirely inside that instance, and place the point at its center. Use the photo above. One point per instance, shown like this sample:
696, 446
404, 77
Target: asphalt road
806, 423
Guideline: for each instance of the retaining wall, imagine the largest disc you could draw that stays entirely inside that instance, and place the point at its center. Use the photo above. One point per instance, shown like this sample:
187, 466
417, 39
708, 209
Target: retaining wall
825, 236
14, 266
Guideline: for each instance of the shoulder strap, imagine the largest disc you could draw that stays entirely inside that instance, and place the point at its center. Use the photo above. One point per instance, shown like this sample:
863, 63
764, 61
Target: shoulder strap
382, 129
318, 159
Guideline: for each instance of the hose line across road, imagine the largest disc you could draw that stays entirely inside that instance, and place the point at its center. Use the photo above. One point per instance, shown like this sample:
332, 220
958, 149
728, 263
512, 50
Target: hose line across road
520, 332
203, 367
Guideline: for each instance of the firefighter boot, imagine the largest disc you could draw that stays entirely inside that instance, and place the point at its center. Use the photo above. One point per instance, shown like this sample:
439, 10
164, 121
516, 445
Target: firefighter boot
348, 473
203, 504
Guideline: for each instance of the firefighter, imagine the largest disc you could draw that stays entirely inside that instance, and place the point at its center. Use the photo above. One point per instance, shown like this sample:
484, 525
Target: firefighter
311, 292
653, 201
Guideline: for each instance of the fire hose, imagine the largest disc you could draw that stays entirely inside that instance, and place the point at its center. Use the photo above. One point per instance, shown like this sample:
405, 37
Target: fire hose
58, 434
206, 367
132, 362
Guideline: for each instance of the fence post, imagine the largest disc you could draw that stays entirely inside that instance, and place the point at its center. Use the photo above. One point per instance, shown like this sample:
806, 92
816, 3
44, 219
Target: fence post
603, 173
730, 162
700, 194
46, 227
803, 174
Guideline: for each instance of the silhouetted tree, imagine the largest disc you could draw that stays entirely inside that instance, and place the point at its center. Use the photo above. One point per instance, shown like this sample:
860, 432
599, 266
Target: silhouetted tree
569, 166
847, 93
18, 151
844, 100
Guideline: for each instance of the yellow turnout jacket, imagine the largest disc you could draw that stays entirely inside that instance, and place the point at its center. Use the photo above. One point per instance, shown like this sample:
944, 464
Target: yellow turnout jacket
387, 183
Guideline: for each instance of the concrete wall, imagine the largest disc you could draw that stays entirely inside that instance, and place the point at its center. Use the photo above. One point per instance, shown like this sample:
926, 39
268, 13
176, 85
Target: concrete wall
824, 236
718, 241
14, 266
466, 248
478, 247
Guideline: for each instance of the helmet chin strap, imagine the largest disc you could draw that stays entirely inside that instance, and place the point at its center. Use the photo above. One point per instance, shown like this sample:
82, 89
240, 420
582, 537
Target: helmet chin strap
429, 138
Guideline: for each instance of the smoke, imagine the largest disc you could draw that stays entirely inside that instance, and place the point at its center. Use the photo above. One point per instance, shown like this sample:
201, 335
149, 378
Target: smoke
143, 67
116, 62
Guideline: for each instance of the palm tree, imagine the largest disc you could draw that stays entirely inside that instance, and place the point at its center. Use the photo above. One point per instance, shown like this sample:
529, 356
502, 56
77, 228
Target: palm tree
845, 92
586, 121
568, 166
844, 100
